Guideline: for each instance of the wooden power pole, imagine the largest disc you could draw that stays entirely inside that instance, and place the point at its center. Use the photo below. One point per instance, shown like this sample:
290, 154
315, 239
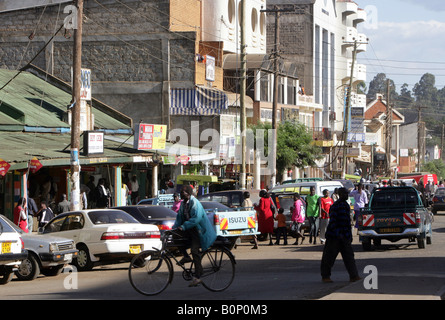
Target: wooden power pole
75, 119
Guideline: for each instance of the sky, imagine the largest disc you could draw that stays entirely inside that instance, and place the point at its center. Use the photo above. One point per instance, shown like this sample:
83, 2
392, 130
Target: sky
406, 40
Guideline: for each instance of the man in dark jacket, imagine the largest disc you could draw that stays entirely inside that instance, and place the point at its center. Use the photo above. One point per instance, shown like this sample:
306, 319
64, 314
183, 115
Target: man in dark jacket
339, 239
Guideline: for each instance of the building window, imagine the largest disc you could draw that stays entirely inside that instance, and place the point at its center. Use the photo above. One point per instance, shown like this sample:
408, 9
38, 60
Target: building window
264, 86
254, 19
263, 23
231, 10
291, 91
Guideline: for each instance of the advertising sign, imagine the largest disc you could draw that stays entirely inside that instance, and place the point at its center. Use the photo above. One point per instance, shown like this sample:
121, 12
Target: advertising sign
35, 165
93, 143
4, 167
150, 136
210, 68
85, 88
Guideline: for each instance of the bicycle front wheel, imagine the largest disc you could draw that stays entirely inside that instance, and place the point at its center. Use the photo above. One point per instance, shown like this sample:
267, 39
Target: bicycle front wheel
150, 272
218, 266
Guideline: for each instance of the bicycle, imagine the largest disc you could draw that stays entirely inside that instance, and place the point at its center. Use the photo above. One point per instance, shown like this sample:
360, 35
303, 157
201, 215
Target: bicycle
151, 271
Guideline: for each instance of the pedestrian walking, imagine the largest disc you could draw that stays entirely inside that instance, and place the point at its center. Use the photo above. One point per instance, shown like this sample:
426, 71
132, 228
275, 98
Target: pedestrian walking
339, 239
265, 215
298, 217
32, 212
281, 227
64, 205
325, 204
45, 214
313, 213
20, 218
134, 187
360, 200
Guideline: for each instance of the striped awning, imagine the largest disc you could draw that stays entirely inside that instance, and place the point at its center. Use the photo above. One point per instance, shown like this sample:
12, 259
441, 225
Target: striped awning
198, 101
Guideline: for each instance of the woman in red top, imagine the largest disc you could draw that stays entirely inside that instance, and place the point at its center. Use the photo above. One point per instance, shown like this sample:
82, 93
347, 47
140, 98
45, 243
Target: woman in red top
325, 205
20, 217
265, 215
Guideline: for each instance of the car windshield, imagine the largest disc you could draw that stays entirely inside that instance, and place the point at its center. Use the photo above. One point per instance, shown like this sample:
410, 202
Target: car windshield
156, 212
106, 217
384, 199
440, 192
208, 205
7, 225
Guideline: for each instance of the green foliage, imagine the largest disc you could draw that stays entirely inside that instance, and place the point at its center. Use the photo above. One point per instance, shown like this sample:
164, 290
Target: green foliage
437, 167
294, 145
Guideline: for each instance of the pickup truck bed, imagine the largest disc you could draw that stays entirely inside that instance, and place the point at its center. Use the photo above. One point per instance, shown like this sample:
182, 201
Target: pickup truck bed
395, 213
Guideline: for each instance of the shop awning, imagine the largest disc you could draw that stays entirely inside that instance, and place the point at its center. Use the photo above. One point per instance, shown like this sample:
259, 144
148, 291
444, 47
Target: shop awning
198, 101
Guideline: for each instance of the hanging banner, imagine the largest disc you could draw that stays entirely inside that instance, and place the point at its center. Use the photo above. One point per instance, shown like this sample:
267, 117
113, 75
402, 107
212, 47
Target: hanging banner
35, 165
4, 167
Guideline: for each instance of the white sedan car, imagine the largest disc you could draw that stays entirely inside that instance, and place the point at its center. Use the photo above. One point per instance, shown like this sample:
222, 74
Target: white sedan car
104, 235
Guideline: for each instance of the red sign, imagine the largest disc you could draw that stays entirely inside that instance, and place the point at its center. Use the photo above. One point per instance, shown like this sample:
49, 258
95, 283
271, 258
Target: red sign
4, 167
184, 159
35, 165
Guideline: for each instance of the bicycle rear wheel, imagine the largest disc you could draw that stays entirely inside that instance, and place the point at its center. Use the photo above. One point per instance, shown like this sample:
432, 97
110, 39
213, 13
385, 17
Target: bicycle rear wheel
150, 272
218, 269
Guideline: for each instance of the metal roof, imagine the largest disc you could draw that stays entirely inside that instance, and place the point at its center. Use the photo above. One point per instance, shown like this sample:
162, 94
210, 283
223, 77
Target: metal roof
33, 102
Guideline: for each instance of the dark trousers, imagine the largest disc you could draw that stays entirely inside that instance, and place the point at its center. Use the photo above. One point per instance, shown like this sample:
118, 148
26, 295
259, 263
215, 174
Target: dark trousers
331, 250
281, 231
194, 243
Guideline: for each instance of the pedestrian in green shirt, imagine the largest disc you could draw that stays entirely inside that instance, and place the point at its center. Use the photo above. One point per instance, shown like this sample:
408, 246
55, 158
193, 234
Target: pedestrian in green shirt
313, 214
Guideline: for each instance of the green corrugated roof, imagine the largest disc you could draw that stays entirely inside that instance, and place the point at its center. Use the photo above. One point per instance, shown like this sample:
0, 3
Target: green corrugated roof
20, 147
33, 102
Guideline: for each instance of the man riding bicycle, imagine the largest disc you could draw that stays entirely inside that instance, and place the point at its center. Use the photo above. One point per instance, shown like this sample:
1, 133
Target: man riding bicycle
193, 225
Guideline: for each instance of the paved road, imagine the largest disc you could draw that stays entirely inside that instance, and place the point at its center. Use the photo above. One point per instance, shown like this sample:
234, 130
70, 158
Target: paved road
270, 273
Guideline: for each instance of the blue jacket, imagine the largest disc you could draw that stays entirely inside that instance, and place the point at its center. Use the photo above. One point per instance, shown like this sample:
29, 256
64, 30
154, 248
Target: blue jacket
198, 219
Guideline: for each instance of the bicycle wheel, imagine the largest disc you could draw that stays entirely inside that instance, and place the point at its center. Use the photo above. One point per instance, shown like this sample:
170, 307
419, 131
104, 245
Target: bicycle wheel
150, 272
218, 266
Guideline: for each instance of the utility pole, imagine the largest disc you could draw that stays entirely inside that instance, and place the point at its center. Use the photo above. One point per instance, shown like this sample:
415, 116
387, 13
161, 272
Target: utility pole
75, 119
388, 139
347, 111
348, 108
243, 94
420, 138
276, 55
441, 142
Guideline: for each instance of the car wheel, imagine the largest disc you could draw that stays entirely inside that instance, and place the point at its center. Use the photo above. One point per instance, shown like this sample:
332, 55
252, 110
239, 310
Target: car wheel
29, 269
421, 242
83, 261
6, 274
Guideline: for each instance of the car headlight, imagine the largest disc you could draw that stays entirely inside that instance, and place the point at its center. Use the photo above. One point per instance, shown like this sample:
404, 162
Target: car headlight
53, 247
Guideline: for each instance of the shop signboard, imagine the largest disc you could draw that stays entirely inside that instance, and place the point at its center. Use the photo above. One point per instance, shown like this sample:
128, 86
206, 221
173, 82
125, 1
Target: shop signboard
4, 167
93, 143
150, 136
35, 165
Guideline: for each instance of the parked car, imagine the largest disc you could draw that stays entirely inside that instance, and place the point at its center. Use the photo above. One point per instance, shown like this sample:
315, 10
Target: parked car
104, 235
12, 251
161, 216
214, 205
230, 198
438, 200
46, 254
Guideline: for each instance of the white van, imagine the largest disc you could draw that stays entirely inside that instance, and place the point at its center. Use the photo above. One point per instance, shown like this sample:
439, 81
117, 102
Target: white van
303, 188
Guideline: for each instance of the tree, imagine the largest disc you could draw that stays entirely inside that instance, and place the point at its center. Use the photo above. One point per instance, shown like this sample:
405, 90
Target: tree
437, 167
425, 90
379, 85
294, 145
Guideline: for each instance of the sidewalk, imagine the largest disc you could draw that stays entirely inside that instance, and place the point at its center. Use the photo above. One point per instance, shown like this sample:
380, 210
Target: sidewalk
394, 287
